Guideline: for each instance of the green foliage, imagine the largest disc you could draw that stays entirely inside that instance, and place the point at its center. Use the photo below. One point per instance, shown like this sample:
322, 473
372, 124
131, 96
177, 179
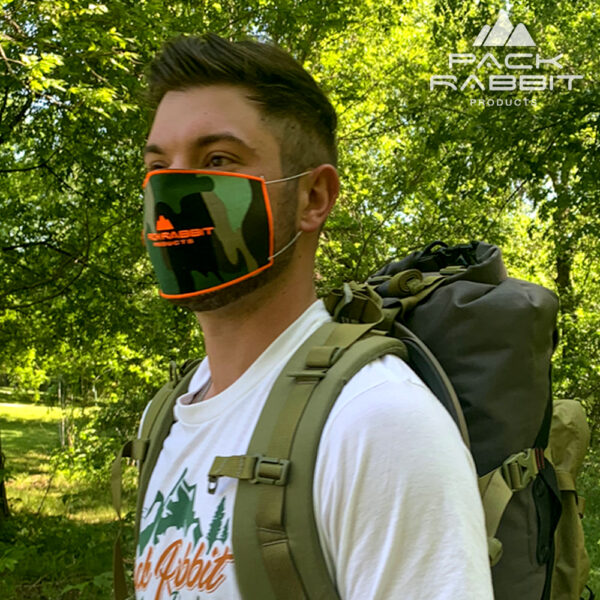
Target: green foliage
54, 557
58, 541
588, 488
417, 164
28, 375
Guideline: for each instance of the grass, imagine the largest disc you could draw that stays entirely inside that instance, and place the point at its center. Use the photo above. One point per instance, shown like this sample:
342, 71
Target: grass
58, 545
30, 433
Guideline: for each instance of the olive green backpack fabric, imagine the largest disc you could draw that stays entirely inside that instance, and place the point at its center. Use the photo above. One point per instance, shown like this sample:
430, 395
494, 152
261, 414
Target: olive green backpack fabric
483, 343
569, 440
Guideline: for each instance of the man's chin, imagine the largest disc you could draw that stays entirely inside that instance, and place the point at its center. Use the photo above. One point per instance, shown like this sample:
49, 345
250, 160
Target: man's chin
237, 292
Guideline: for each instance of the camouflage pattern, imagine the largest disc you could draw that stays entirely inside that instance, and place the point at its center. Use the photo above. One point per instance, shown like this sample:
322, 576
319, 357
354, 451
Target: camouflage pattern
204, 231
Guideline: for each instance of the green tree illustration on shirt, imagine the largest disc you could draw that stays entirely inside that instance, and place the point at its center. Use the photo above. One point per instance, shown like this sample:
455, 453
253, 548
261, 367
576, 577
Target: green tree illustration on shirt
215, 525
176, 510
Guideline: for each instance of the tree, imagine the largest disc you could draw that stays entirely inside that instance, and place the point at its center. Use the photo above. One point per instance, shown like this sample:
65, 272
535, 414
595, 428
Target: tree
4, 512
78, 296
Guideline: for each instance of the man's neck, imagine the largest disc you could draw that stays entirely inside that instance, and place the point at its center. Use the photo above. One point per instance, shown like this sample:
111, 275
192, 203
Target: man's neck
237, 334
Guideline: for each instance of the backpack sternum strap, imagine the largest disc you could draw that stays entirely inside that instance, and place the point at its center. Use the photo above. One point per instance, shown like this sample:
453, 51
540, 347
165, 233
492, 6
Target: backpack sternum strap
255, 469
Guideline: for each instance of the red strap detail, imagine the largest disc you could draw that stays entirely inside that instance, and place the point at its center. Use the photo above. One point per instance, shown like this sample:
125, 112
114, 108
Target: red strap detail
539, 458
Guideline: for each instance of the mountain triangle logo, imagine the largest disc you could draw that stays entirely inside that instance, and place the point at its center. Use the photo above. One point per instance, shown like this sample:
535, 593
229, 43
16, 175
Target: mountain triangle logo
163, 224
504, 34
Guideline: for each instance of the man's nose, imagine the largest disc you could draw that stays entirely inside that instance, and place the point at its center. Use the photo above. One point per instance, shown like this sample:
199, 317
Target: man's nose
184, 161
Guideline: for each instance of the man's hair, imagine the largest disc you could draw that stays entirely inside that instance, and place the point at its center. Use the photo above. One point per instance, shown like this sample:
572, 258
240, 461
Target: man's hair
303, 118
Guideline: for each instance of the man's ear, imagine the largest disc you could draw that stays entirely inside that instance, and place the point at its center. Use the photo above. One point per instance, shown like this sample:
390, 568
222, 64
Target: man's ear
317, 197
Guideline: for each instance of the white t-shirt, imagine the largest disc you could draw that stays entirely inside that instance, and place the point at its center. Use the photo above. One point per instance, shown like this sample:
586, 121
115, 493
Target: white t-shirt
395, 494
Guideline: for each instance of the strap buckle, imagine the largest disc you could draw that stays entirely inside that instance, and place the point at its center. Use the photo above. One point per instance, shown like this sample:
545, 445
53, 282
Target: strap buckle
254, 468
273, 471
520, 469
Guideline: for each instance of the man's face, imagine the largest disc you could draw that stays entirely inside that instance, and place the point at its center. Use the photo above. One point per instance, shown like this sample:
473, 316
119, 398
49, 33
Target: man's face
218, 128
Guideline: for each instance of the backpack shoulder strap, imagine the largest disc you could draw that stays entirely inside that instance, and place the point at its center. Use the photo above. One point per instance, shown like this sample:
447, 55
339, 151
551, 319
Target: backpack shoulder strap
275, 539
145, 450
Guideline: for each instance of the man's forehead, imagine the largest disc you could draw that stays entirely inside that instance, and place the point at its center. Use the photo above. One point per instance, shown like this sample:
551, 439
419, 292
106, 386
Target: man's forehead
203, 115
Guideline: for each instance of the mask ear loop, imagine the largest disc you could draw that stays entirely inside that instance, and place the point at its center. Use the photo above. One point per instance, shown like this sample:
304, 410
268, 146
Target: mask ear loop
288, 178
290, 243
293, 240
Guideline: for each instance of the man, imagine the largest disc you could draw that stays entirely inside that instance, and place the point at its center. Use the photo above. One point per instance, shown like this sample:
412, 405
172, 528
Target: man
395, 494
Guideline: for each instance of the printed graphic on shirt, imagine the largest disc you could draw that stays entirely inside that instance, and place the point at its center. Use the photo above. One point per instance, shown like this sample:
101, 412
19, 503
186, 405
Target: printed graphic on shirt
194, 561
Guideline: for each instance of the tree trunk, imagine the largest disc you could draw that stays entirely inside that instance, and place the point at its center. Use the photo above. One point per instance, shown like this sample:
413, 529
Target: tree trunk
4, 512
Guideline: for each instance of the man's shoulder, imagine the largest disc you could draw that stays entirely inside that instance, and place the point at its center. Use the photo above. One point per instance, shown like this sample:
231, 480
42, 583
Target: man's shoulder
388, 396
388, 371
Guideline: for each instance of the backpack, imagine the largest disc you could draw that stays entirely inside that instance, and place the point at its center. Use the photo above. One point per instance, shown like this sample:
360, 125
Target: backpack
569, 440
480, 340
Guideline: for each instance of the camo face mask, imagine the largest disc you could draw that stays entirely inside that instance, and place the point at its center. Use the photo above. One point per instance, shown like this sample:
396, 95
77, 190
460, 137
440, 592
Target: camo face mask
206, 230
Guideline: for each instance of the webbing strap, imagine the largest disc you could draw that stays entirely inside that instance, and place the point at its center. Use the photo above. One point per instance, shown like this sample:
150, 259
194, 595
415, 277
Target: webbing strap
270, 516
156, 427
269, 519
272, 468
240, 467
154, 409
145, 450
430, 284
495, 496
3, 500
270, 524
566, 483
135, 449
119, 583
360, 303
254, 468
565, 480
269, 538
357, 303
497, 488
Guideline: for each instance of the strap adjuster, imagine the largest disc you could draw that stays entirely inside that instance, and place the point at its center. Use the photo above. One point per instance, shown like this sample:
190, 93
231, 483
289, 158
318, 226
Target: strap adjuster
254, 468
520, 469
273, 471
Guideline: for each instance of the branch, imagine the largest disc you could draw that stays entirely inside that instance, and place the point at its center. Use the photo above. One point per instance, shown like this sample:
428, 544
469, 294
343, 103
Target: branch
6, 60
32, 168
13, 23
518, 189
18, 117
22, 246
51, 296
4, 101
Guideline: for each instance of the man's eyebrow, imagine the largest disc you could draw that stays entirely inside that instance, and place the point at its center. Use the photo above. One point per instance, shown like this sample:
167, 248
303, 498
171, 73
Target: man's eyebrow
205, 140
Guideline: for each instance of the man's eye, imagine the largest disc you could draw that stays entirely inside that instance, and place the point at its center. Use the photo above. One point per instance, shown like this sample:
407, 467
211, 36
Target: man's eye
218, 160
